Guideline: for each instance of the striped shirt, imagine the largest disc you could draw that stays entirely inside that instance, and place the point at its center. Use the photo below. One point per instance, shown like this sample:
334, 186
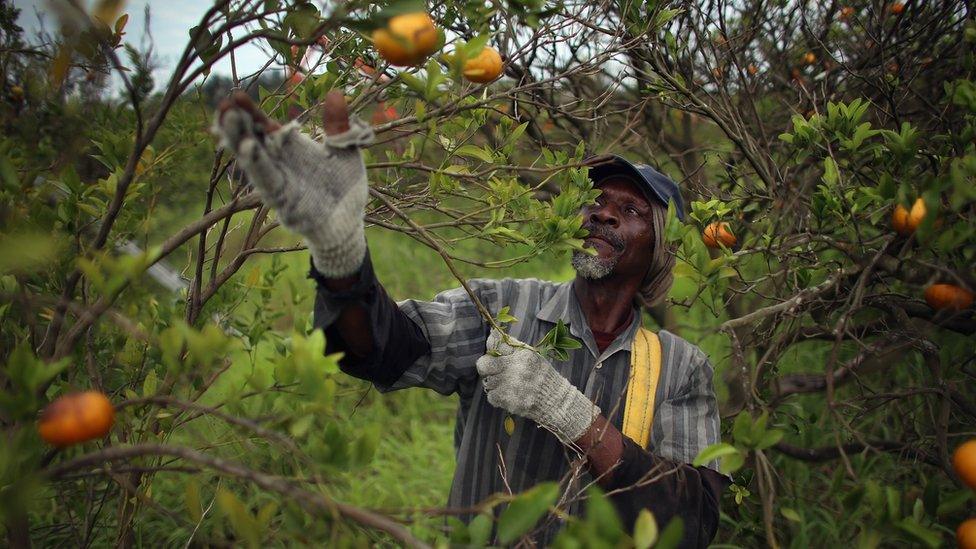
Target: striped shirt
490, 459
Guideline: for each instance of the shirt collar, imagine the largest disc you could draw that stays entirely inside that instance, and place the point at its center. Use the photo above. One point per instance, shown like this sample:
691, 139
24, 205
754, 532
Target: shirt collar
563, 305
557, 307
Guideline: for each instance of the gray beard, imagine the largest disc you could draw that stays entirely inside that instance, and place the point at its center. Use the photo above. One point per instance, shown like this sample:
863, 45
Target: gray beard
592, 267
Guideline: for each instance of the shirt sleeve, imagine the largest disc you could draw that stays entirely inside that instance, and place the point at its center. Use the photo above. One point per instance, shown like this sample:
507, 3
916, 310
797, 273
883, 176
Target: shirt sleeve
688, 421
662, 480
668, 489
432, 344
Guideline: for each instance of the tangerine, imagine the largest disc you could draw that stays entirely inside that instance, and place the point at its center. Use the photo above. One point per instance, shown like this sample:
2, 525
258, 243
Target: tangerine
76, 417
904, 221
948, 296
966, 534
964, 462
484, 67
716, 233
407, 39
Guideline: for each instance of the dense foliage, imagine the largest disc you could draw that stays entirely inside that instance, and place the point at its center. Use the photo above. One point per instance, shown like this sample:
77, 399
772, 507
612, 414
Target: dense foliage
136, 262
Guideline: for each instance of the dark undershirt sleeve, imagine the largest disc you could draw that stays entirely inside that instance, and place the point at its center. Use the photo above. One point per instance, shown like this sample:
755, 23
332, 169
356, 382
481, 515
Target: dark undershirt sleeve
397, 341
693, 493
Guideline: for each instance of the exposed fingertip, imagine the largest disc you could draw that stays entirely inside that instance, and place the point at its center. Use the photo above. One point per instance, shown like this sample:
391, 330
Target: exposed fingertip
335, 113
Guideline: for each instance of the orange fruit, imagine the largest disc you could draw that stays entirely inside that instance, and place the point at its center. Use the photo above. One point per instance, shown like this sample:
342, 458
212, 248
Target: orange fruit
810, 58
407, 39
964, 462
966, 534
484, 67
718, 233
75, 418
294, 80
753, 69
948, 296
905, 222
846, 12
897, 8
383, 114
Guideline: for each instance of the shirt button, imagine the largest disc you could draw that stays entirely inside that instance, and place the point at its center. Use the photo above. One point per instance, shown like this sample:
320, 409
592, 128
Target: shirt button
599, 365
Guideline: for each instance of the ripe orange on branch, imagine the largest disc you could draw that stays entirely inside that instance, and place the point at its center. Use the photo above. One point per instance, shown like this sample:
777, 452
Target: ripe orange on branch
484, 67
75, 418
966, 534
716, 233
952, 297
904, 221
964, 462
407, 39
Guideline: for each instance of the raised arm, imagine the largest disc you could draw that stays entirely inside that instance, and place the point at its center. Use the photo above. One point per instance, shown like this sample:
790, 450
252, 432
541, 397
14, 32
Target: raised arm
320, 191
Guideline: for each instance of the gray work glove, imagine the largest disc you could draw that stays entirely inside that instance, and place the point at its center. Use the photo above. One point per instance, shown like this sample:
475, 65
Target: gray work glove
318, 189
524, 383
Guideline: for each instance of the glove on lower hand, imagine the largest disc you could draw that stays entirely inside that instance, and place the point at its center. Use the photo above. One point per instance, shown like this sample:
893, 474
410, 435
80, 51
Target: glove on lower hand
318, 189
524, 383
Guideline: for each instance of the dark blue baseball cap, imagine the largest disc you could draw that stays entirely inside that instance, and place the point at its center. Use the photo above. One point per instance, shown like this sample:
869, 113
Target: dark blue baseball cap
656, 186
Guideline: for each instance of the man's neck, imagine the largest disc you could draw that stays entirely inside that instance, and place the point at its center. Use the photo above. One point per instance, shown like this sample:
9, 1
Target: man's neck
606, 303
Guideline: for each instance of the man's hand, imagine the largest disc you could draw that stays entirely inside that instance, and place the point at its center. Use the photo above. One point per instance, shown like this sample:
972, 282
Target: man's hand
318, 189
519, 380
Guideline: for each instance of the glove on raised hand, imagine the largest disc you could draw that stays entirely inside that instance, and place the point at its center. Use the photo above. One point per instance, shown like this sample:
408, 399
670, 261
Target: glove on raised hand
318, 189
524, 383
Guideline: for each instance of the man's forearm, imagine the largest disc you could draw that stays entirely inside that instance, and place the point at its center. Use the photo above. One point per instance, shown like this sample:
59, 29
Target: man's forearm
361, 320
677, 490
353, 322
603, 445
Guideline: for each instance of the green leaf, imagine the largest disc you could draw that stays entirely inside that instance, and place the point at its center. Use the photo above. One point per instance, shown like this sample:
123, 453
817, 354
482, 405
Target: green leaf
504, 317
149, 384
601, 513
831, 175
27, 251
526, 510
479, 530
473, 47
645, 530
791, 514
367, 443
191, 499
206, 44
713, 452
929, 537
416, 84
302, 20
240, 519
266, 513
473, 151
732, 462
742, 428
769, 438
672, 534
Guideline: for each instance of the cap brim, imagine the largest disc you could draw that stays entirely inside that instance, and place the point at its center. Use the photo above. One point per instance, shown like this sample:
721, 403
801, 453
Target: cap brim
605, 165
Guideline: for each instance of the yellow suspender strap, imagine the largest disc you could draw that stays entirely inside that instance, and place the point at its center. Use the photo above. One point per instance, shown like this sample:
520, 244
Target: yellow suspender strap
645, 370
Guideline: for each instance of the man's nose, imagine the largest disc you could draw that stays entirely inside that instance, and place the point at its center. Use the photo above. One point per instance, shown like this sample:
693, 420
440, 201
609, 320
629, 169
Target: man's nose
604, 215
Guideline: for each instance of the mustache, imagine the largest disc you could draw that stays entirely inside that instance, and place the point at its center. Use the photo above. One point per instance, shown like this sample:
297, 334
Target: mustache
603, 232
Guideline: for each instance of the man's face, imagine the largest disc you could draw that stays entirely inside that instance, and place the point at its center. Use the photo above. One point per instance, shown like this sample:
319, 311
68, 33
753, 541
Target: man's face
620, 229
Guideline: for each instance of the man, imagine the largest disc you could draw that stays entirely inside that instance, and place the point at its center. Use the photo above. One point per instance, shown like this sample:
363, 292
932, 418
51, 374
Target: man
522, 418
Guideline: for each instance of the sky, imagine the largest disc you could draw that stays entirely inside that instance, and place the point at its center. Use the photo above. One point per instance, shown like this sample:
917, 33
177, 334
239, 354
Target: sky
170, 22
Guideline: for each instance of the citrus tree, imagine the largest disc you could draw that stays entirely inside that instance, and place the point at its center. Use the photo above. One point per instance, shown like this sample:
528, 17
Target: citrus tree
827, 152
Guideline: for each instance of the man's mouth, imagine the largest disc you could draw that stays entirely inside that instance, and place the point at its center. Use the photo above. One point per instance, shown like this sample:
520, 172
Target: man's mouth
597, 240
